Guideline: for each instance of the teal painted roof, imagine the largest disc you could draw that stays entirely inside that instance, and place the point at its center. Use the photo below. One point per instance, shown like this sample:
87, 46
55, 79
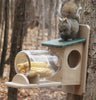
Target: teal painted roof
58, 44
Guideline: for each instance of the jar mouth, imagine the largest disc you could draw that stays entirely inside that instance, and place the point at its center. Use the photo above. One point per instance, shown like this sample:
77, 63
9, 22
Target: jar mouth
24, 59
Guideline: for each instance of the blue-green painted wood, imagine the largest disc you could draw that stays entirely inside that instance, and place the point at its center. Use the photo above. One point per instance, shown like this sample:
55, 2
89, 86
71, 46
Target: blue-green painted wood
56, 43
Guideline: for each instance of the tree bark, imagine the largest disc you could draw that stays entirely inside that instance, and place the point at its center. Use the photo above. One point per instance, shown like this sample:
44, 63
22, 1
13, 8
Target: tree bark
16, 40
89, 17
0, 10
50, 20
3, 56
2, 22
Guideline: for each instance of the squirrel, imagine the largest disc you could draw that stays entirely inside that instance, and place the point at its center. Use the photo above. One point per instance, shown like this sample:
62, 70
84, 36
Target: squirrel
68, 28
68, 25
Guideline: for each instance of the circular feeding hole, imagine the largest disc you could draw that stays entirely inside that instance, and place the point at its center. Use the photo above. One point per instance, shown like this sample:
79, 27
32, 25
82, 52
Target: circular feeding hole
73, 58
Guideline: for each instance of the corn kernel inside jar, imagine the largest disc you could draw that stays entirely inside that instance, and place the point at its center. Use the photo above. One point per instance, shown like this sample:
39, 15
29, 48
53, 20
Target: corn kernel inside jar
40, 68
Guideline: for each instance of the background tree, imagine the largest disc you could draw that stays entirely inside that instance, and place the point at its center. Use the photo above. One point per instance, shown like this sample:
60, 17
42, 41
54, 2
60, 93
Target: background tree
0, 10
16, 41
2, 21
6, 31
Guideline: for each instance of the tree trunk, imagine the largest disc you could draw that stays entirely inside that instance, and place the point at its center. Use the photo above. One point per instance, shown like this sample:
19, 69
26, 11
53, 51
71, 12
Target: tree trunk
50, 20
16, 40
0, 10
88, 16
3, 56
2, 22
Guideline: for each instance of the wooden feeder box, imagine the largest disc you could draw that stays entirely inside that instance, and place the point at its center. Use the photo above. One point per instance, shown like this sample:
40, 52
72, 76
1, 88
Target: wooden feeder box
73, 56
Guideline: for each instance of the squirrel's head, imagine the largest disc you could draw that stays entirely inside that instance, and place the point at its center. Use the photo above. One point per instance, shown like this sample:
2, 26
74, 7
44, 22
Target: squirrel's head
64, 24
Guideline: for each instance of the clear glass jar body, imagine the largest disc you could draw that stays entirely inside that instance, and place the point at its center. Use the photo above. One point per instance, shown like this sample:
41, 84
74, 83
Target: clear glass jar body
36, 62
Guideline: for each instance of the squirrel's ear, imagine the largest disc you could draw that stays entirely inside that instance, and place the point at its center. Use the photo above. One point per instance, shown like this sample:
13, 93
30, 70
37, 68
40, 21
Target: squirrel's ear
60, 19
65, 20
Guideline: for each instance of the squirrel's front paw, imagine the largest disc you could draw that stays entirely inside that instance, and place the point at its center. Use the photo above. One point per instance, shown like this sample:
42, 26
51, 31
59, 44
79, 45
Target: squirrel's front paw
61, 40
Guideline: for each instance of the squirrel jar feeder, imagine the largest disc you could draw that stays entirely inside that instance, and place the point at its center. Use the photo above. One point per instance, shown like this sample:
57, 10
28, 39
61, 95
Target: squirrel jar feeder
64, 64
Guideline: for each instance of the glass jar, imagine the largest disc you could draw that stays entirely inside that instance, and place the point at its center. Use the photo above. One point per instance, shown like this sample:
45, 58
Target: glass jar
36, 62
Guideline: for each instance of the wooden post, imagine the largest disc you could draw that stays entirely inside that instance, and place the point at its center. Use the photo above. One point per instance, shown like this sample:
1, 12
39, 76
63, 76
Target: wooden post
73, 97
